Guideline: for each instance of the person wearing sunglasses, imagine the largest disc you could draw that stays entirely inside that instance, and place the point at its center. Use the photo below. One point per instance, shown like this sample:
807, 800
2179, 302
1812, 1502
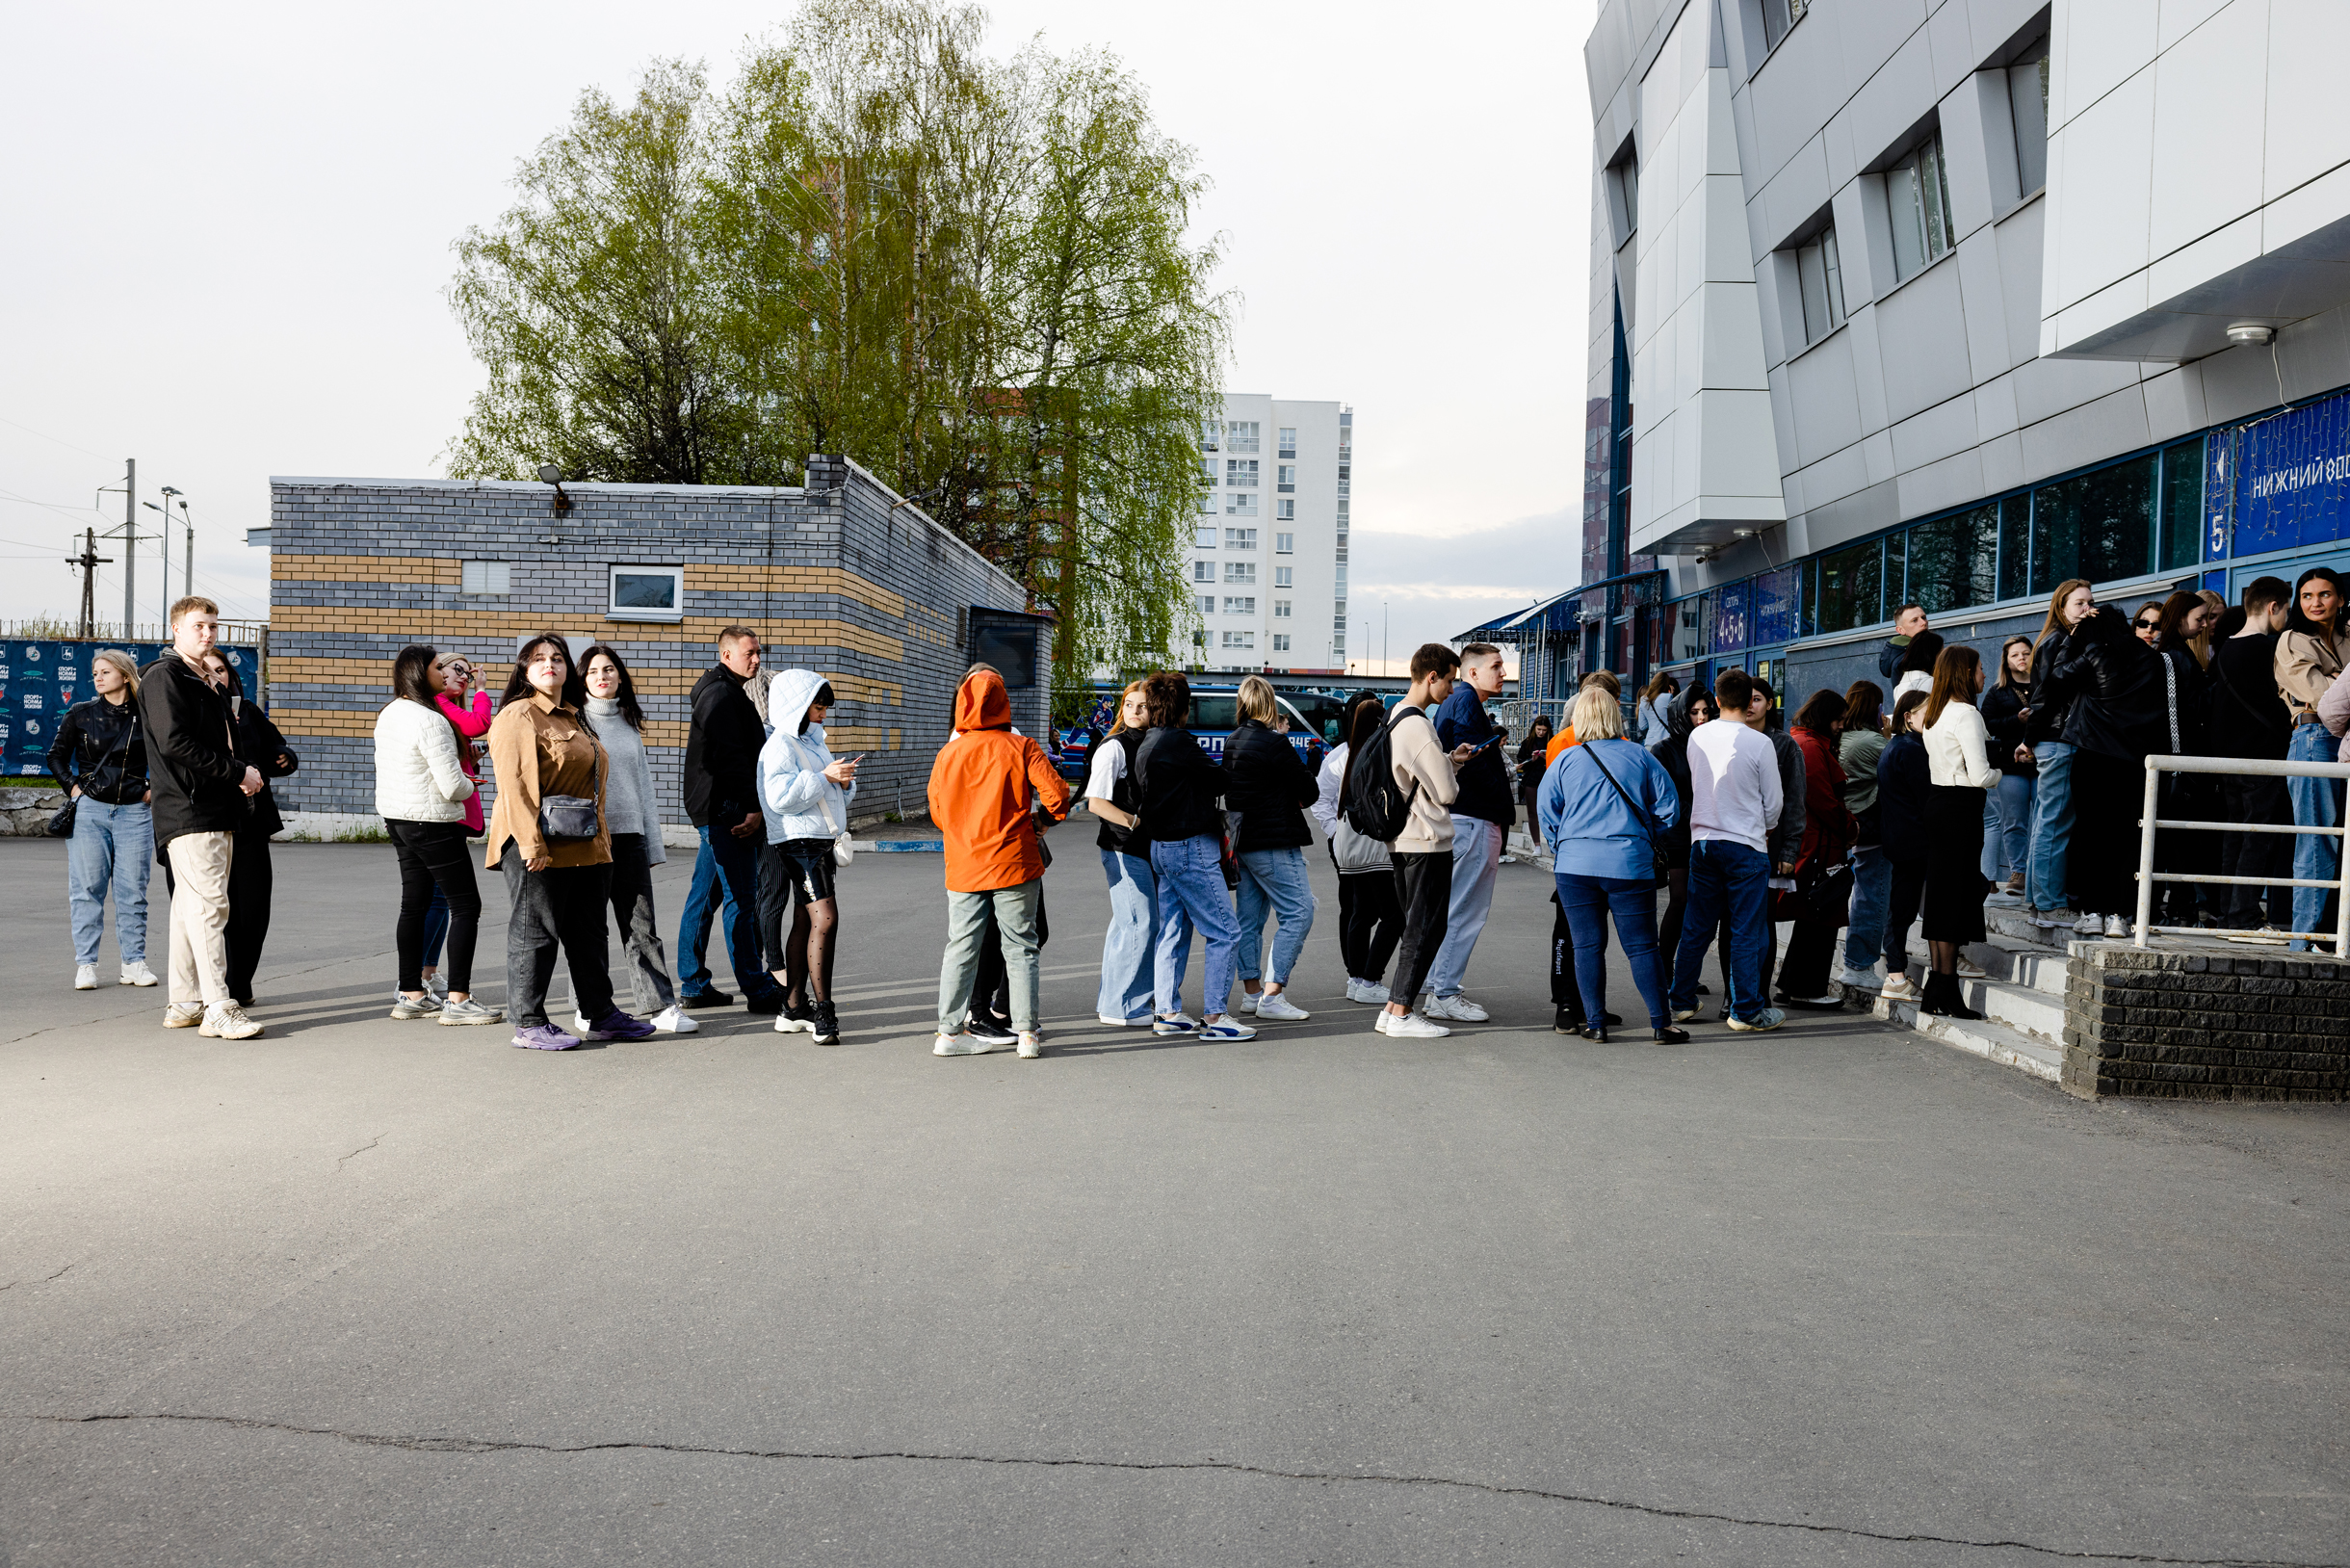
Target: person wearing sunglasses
2147, 623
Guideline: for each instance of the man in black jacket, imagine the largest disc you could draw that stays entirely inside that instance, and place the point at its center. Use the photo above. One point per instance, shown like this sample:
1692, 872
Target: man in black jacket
1908, 621
203, 795
721, 788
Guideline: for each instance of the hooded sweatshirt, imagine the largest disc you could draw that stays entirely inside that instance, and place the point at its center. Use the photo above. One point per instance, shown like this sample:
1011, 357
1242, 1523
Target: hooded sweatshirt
979, 791
797, 799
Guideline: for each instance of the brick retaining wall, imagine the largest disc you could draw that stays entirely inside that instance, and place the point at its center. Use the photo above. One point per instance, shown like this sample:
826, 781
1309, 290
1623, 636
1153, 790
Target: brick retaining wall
2196, 1026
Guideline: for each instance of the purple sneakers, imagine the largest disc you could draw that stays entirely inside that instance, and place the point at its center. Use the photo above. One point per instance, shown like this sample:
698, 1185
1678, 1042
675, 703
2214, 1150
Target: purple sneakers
616, 1025
544, 1037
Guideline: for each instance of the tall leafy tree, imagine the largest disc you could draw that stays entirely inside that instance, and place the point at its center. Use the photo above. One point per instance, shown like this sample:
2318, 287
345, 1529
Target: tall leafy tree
969, 273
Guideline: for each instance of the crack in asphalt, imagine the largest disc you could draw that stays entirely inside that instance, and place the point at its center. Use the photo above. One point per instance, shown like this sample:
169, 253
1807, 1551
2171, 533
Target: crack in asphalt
421, 1444
360, 1150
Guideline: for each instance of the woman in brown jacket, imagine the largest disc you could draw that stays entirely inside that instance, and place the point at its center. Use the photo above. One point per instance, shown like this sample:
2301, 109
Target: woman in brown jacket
2310, 655
547, 830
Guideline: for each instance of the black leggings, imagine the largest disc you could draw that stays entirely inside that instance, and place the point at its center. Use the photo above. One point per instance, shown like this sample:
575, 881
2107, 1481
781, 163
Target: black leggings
1902, 910
429, 855
1370, 922
2108, 797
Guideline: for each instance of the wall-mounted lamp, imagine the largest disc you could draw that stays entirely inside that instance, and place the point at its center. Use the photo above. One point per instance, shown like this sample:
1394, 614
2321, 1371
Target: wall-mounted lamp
554, 476
1743, 533
2251, 334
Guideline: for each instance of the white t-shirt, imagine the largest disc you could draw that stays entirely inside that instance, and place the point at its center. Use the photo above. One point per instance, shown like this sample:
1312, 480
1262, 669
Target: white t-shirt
1108, 767
1734, 784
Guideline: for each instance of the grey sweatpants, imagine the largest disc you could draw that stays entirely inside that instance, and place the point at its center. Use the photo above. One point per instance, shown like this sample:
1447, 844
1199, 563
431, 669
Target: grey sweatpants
1015, 909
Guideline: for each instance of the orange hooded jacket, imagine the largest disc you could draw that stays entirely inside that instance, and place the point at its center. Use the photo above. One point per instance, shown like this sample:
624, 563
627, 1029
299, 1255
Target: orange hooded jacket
980, 792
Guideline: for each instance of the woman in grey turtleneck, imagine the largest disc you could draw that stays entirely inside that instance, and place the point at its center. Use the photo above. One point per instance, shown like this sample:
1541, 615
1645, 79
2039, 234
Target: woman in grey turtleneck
632, 815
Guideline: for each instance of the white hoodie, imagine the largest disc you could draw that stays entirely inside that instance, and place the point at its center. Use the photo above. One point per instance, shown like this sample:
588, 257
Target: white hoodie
792, 788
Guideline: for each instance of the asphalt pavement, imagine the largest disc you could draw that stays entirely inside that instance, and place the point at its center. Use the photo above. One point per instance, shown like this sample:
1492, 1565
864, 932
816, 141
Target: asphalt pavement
362, 1291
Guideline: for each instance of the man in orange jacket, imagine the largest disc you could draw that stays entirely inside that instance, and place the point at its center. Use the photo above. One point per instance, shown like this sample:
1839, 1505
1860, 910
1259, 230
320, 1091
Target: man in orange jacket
979, 800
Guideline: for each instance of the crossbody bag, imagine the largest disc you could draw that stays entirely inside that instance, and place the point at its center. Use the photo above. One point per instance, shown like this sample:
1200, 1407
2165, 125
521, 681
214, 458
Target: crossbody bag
844, 846
1660, 862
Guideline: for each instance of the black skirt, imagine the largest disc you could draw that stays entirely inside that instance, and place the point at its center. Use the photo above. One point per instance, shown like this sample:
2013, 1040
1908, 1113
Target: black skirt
1954, 885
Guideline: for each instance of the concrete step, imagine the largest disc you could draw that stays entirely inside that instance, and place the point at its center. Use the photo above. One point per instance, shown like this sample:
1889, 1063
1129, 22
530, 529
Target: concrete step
1988, 1039
2021, 1007
2015, 961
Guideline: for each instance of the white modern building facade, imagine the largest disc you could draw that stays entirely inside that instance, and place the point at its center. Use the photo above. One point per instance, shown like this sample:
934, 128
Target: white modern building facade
1947, 302
1268, 558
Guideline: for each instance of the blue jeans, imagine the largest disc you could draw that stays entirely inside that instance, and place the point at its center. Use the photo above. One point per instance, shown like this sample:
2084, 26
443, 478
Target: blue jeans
2044, 881
1728, 886
1192, 893
1274, 881
111, 845
725, 871
1588, 901
2007, 831
1132, 937
2317, 802
1476, 861
1873, 885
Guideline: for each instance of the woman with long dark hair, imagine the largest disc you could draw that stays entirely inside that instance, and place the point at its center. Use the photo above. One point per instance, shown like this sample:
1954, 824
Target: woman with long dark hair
2047, 707
1369, 919
2117, 717
2309, 654
548, 833
1905, 785
1533, 757
804, 792
631, 814
98, 757
1828, 832
421, 789
2006, 710
469, 710
1958, 762
2186, 701
1688, 710
1916, 668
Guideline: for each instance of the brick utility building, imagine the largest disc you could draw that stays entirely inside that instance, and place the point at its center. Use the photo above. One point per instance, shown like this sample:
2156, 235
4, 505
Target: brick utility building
841, 576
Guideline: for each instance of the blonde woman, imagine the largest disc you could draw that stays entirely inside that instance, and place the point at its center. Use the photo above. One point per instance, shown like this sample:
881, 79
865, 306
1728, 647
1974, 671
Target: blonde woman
1267, 787
99, 758
1114, 799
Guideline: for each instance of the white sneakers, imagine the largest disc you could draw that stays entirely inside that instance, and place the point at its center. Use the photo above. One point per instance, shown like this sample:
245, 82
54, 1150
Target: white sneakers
1410, 1027
1279, 1008
1362, 990
2088, 926
1900, 988
2116, 926
1031, 1046
183, 1016
85, 977
674, 1020
1968, 969
226, 1021
1860, 980
1120, 1023
1458, 1007
138, 973
1768, 1018
961, 1045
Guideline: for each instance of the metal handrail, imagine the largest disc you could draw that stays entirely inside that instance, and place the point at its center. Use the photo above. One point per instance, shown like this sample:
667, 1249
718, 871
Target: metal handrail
2274, 767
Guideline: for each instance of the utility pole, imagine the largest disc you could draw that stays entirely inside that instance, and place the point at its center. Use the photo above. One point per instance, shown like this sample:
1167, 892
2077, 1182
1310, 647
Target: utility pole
130, 543
87, 562
187, 555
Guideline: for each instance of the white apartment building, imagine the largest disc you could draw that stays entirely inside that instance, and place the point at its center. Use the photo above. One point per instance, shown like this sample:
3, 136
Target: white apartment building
1268, 566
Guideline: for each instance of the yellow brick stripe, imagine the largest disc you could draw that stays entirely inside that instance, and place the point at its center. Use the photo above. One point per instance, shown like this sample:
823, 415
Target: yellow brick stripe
760, 578
293, 568
505, 625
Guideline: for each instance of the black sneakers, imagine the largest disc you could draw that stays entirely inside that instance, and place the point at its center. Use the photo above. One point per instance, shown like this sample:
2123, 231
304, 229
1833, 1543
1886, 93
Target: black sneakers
826, 1023
712, 998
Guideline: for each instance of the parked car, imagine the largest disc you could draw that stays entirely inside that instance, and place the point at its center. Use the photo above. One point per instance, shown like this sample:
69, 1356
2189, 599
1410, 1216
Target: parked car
1314, 721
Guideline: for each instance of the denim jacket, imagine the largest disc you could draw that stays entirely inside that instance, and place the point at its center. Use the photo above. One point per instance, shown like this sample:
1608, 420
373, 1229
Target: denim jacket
794, 793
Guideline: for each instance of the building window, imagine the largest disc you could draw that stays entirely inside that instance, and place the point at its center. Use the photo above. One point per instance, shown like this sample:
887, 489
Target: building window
1241, 435
490, 577
2099, 526
1624, 197
2183, 494
1281, 641
1281, 607
1919, 197
2028, 103
1241, 473
1239, 639
1240, 538
1211, 432
1822, 284
1778, 16
1283, 575
1205, 536
1289, 440
1207, 603
1284, 544
1850, 583
1244, 605
2015, 546
1285, 477
1240, 504
1954, 561
647, 593
1240, 571
1286, 509
1202, 571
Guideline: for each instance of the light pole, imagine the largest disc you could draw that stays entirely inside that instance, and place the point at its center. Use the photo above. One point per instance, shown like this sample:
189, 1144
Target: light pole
188, 565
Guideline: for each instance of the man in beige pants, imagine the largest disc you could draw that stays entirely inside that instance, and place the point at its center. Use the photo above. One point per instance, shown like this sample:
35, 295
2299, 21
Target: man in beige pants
202, 794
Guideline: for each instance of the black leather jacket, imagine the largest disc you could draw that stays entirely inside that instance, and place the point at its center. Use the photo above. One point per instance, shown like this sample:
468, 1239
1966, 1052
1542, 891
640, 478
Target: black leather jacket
2050, 697
2118, 710
101, 747
1266, 782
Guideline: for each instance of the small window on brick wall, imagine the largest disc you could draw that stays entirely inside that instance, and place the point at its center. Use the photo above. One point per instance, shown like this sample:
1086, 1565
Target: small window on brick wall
490, 577
647, 593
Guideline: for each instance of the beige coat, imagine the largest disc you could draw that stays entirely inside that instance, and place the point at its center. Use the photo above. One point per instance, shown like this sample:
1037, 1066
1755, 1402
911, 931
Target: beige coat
537, 750
1420, 757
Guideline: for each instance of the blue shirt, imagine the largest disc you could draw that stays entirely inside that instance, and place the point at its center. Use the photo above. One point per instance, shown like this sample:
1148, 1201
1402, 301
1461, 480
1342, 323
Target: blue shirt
1590, 830
1485, 782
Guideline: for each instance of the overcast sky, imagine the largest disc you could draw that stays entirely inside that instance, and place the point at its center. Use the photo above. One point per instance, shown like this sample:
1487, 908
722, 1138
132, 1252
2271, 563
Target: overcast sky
228, 232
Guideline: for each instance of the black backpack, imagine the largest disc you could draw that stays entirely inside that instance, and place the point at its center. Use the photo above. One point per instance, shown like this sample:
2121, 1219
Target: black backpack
1377, 807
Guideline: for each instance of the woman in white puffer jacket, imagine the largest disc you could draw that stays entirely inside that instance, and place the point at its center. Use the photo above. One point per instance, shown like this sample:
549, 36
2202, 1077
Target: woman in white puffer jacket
804, 793
421, 790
